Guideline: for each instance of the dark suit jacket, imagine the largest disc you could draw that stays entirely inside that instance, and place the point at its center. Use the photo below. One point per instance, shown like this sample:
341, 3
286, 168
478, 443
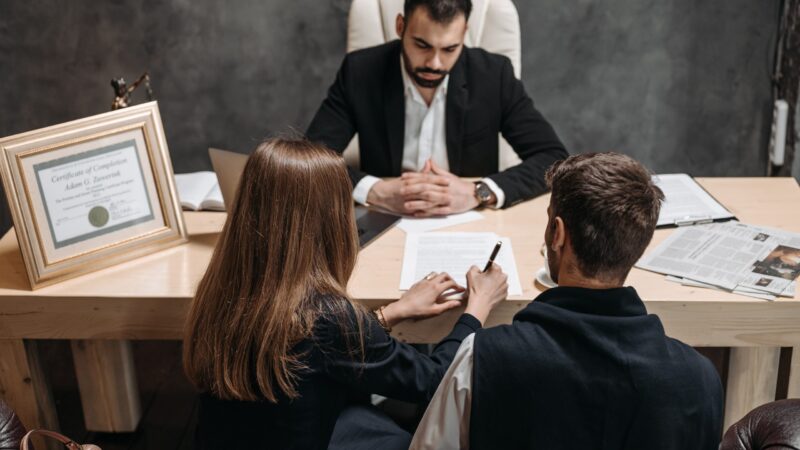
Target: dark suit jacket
483, 99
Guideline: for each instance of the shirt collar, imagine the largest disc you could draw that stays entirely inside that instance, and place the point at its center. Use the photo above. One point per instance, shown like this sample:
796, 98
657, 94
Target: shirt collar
409, 88
620, 302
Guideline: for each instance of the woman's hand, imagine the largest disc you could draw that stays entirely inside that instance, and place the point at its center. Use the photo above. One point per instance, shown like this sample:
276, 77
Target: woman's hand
485, 290
424, 299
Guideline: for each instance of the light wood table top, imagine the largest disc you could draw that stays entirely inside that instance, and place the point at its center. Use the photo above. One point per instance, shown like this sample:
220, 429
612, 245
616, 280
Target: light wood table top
148, 298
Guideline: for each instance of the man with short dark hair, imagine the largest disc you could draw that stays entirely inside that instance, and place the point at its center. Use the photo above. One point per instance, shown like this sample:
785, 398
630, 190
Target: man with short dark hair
428, 111
583, 366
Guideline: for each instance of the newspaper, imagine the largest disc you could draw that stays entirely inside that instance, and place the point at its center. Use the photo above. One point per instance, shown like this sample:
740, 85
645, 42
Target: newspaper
789, 292
730, 255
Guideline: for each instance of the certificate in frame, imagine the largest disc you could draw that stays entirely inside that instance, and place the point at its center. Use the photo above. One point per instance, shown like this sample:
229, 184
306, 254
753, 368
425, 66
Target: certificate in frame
91, 193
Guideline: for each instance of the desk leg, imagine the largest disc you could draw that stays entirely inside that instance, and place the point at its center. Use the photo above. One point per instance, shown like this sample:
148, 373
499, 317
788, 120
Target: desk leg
107, 381
752, 380
25, 387
794, 374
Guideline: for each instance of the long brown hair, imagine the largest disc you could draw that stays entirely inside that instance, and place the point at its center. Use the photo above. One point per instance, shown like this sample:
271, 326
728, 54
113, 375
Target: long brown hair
290, 238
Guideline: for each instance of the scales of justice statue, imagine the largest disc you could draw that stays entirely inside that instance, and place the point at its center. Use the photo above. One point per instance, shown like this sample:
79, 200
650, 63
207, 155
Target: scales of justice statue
123, 92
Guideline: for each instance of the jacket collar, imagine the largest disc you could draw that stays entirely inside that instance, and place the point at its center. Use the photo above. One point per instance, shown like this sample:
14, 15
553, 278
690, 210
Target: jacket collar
619, 302
455, 110
394, 108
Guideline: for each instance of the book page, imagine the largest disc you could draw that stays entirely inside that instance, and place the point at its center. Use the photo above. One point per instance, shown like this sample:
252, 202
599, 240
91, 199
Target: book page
194, 187
213, 201
686, 201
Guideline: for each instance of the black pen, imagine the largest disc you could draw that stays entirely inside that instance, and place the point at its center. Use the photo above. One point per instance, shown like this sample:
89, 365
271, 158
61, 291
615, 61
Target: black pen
494, 255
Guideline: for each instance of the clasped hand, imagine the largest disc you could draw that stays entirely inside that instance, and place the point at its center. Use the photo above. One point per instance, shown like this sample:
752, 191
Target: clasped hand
430, 192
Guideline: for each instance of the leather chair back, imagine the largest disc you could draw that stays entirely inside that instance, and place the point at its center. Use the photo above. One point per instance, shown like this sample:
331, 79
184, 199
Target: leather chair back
493, 26
11, 429
774, 426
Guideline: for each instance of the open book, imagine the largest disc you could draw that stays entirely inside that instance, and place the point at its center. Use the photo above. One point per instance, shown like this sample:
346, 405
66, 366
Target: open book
686, 203
199, 190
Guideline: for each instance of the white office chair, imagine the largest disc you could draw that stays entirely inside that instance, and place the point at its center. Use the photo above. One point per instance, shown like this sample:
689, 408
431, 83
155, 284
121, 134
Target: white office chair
493, 26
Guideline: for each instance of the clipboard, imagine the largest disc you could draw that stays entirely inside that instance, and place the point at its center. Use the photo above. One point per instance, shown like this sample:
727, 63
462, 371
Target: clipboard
687, 203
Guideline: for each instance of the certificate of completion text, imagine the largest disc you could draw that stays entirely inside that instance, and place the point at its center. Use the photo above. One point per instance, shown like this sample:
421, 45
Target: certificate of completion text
93, 193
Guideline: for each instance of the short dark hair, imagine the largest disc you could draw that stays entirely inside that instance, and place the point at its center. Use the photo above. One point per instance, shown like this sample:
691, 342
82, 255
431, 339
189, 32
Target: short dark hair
441, 11
609, 205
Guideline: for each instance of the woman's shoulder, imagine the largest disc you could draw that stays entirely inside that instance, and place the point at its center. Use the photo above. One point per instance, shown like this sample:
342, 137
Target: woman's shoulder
340, 320
336, 311
334, 308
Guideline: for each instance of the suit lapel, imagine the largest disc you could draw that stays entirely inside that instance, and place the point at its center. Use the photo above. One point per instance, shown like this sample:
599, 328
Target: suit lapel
395, 111
455, 111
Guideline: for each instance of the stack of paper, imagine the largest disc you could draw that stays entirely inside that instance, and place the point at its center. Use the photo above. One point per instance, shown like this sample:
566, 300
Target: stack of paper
455, 253
744, 259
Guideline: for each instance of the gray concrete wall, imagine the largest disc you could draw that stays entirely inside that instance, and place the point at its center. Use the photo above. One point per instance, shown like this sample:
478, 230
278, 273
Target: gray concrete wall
680, 84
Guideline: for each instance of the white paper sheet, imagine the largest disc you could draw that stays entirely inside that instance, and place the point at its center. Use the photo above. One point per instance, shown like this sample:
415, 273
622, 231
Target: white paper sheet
455, 253
414, 225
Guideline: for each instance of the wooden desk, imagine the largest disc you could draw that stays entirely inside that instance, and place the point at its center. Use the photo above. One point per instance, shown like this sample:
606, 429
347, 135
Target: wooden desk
148, 299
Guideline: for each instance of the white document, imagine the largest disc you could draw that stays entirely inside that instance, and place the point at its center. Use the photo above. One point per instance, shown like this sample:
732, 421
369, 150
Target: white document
199, 190
455, 253
685, 202
414, 225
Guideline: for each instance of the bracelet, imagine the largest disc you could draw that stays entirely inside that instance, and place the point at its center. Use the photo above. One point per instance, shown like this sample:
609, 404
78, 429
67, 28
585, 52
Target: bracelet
382, 319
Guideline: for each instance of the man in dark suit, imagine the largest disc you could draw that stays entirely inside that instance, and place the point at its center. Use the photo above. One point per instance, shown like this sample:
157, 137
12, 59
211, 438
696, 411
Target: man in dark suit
584, 366
428, 110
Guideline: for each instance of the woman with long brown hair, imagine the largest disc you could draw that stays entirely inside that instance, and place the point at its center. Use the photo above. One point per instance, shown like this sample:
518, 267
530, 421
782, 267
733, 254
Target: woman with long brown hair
272, 339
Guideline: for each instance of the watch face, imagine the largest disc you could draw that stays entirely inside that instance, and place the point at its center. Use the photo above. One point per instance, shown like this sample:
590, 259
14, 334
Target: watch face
483, 192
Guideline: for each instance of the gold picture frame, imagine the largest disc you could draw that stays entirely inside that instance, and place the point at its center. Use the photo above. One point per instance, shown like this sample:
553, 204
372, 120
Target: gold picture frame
91, 193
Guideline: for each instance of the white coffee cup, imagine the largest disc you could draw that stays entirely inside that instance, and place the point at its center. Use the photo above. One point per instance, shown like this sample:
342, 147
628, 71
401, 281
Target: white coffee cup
548, 278
546, 262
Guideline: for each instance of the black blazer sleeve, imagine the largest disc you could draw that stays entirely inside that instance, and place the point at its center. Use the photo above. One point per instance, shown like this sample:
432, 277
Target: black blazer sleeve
531, 137
334, 124
389, 367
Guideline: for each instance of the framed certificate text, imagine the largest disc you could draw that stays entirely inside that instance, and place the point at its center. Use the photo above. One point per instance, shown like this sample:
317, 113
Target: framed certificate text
91, 193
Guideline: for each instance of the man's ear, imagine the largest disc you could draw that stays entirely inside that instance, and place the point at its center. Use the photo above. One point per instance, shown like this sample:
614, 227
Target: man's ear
559, 235
400, 25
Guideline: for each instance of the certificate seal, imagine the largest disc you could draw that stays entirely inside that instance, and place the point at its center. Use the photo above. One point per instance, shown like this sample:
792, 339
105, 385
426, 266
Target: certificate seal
98, 216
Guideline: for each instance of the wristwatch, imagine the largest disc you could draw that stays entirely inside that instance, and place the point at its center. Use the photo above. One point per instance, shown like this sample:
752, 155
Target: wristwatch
483, 193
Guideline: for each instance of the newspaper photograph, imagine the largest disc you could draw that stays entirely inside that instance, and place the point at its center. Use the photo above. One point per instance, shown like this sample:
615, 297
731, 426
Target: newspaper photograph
783, 262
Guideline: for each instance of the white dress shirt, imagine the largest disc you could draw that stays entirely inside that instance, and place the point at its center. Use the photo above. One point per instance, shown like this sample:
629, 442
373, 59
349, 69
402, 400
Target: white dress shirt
445, 425
424, 137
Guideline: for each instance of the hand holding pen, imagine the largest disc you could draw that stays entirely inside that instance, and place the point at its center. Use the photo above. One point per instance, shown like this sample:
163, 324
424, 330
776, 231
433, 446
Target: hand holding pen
486, 289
